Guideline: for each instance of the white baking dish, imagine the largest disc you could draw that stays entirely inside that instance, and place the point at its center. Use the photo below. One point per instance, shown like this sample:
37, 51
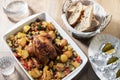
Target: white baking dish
17, 27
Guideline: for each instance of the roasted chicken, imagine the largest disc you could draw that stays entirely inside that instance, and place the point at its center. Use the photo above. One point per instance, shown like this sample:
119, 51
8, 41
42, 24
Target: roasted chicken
41, 47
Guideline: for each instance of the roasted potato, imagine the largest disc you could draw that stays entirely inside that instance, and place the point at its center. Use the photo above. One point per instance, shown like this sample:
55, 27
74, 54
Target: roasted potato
24, 54
26, 28
60, 66
52, 34
22, 41
75, 64
35, 73
63, 42
68, 53
63, 58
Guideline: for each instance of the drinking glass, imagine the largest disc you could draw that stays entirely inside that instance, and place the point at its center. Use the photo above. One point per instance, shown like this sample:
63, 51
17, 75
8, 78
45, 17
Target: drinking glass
6, 65
16, 9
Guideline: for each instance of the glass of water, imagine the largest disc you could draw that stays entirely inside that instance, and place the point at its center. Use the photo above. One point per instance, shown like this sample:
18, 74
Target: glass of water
16, 9
6, 66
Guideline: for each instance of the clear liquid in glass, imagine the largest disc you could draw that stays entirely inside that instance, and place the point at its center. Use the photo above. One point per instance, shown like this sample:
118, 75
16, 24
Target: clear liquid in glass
16, 10
6, 65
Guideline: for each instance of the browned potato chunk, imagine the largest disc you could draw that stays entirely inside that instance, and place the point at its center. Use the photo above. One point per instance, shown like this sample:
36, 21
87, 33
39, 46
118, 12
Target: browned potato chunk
52, 34
12, 37
47, 75
42, 33
68, 53
57, 41
26, 28
60, 66
50, 26
22, 41
75, 64
20, 35
63, 58
69, 47
24, 54
59, 75
35, 73
63, 42
44, 23
9, 43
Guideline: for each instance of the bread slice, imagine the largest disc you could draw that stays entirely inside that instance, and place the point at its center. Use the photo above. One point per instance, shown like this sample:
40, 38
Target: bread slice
84, 7
75, 16
86, 21
93, 27
88, 15
66, 5
70, 10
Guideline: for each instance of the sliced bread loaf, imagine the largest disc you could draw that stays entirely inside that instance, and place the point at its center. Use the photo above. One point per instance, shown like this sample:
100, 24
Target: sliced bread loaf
66, 5
75, 16
70, 10
86, 21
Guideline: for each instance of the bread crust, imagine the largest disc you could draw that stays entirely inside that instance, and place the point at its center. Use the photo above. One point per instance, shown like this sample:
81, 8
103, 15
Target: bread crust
76, 15
81, 17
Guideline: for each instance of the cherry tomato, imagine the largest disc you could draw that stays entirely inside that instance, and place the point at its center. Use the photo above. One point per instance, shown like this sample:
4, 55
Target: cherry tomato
67, 71
78, 59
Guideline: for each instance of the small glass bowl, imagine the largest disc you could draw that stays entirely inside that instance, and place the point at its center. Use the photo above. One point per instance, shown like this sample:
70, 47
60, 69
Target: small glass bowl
6, 65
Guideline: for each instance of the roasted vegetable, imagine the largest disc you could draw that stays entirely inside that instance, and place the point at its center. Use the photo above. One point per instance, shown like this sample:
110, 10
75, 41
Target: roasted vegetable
47, 75
35, 73
20, 35
9, 42
22, 41
24, 54
59, 75
51, 64
69, 47
52, 34
30, 63
67, 71
50, 26
26, 28
57, 41
63, 42
78, 59
12, 37
60, 67
63, 58
75, 64
39, 27
44, 23
68, 53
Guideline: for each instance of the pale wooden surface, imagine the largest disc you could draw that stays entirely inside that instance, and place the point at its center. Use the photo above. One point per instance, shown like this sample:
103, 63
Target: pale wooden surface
53, 7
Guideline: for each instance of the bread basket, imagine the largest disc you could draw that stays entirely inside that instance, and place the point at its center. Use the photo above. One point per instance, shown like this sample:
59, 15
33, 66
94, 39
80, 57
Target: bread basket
100, 14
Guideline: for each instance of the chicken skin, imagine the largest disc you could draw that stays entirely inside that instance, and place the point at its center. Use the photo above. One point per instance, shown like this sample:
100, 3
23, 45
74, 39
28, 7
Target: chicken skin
41, 47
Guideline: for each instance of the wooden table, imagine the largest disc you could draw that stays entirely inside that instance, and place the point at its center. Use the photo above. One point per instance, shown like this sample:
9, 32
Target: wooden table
53, 7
